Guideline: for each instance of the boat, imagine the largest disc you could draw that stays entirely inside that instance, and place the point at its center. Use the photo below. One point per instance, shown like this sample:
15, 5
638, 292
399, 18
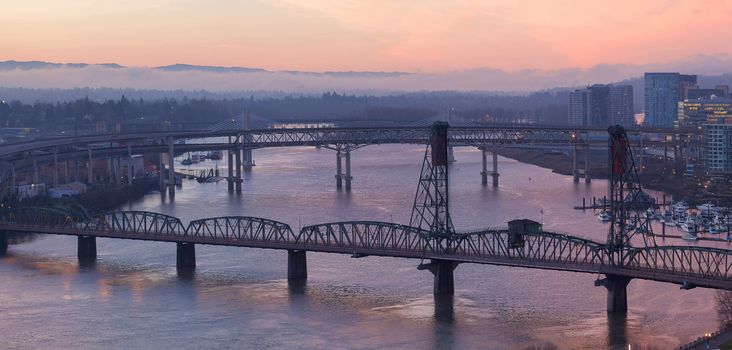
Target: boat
706, 208
680, 208
687, 236
668, 218
215, 155
689, 226
186, 161
197, 158
713, 230
650, 214
604, 216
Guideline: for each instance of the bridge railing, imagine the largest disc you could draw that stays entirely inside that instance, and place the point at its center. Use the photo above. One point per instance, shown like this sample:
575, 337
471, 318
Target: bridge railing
366, 235
547, 247
241, 228
136, 222
690, 261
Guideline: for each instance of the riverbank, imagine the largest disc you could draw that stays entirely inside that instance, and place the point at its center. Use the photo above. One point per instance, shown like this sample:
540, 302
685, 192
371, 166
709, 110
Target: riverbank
657, 175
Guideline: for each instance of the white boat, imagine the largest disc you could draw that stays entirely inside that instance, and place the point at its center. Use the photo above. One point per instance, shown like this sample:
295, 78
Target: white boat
650, 214
706, 208
689, 236
689, 226
604, 216
713, 229
197, 158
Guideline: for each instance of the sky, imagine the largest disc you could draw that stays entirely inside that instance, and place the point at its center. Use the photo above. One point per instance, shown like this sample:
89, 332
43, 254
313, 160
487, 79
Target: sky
375, 35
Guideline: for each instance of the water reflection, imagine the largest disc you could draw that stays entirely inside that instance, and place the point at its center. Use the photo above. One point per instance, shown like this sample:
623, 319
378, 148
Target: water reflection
617, 330
186, 273
444, 308
297, 286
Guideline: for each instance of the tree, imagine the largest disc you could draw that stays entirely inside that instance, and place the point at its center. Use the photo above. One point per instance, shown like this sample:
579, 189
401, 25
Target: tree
724, 302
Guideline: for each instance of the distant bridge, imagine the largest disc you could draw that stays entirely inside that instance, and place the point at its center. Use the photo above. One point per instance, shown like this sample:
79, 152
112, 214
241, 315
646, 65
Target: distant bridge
24, 155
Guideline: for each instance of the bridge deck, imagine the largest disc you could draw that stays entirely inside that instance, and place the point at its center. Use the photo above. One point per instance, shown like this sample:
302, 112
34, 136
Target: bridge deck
704, 267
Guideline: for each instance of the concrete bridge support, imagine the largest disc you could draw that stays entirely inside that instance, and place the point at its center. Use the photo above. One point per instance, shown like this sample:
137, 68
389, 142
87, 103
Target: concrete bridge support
185, 256
230, 171
495, 174
171, 167
248, 159
87, 248
339, 173
3, 243
237, 179
442, 270
575, 169
451, 155
348, 176
484, 172
161, 174
617, 295
297, 265
588, 178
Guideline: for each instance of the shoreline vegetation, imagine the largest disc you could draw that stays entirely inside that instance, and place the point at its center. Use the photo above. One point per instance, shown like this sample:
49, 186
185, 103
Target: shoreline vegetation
97, 199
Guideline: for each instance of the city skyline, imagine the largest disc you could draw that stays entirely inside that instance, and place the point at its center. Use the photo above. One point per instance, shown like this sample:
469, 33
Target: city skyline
435, 36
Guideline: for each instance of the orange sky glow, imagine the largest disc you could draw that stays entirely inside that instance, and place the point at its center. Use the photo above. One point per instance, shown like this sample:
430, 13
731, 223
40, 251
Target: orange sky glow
402, 35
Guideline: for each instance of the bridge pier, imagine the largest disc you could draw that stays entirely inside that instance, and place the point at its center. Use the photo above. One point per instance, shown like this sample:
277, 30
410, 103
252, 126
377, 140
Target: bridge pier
248, 159
575, 168
450, 155
297, 265
237, 180
3, 243
588, 178
230, 171
484, 172
348, 176
339, 174
87, 248
442, 270
185, 256
617, 294
171, 167
495, 174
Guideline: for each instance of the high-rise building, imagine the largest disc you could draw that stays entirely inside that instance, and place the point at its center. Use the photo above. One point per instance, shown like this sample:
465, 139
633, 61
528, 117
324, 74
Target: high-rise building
621, 105
663, 91
579, 107
718, 146
601, 105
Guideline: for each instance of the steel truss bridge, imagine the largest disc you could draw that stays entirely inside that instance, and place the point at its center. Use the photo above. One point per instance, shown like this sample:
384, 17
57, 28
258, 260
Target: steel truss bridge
688, 266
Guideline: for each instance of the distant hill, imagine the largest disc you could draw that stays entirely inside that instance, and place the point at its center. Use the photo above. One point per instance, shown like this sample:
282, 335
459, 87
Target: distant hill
26, 65
181, 67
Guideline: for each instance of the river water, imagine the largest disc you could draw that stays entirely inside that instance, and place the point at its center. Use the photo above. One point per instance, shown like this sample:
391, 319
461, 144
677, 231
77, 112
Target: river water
133, 298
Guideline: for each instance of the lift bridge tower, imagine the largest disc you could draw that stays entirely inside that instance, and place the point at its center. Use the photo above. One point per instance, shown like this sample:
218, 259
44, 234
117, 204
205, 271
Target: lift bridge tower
628, 204
431, 207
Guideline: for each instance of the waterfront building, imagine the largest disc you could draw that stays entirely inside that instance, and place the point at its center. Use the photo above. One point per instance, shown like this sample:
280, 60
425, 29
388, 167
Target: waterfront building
695, 113
718, 146
601, 105
663, 91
